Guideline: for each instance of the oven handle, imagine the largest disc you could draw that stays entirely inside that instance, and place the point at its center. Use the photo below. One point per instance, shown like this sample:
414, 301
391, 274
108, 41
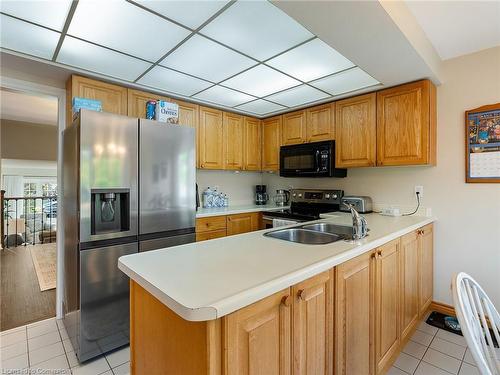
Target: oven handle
317, 161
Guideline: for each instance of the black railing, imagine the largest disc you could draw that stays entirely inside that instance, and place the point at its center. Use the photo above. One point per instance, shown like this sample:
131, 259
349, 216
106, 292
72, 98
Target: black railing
28, 220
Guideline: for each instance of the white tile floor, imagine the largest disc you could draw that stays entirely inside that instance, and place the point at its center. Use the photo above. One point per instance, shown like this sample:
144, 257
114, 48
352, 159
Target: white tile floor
45, 345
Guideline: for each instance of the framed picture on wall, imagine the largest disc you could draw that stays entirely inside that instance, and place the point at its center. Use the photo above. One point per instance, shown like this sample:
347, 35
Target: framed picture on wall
482, 144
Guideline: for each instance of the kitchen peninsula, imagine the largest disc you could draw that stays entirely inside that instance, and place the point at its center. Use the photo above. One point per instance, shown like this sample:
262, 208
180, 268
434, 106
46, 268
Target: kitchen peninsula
250, 304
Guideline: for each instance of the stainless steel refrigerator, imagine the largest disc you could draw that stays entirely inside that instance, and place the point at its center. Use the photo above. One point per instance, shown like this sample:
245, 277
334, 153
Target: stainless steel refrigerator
129, 186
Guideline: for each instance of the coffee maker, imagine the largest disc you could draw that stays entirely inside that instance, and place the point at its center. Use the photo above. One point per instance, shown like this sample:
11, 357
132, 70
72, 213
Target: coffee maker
261, 196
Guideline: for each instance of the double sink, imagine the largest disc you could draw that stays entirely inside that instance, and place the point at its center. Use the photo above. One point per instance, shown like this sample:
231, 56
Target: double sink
314, 234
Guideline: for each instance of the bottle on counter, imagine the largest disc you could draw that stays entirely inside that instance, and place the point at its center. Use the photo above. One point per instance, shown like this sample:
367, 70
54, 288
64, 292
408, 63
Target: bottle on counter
208, 198
226, 200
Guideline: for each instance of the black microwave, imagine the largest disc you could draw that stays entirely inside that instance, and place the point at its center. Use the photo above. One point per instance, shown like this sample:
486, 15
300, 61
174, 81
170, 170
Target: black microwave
310, 160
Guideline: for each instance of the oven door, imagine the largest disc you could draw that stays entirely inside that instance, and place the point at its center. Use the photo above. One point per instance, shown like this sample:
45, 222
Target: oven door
307, 160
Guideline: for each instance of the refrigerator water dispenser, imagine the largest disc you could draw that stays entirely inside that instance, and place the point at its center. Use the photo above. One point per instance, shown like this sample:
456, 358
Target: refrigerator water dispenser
110, 212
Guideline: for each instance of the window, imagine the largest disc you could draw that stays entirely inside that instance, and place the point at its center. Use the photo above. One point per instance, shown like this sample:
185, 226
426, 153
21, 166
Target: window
29, 189
49, 189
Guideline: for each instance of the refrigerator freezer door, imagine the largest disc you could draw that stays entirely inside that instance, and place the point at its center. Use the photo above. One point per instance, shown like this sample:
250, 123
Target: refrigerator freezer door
108, 160
167, 177
104, 310
164, 242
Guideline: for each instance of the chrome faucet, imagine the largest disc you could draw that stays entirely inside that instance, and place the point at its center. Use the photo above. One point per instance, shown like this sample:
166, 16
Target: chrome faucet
359, 223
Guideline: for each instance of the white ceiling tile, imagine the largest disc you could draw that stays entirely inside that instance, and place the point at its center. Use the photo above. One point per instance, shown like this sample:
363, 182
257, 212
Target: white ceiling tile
256, 28
298, 96
350, 80
189, 13
203, 58
223, 96
169, 80
27, 38
260, 107
311, 60
261, 81
101, 60
49, 13
126, 28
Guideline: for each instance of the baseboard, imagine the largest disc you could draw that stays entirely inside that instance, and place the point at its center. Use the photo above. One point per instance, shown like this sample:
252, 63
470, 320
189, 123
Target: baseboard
442, 308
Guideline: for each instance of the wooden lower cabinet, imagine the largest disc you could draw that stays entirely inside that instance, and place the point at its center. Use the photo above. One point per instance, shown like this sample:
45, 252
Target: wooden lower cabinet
426, 270
312, 324
242, 223
387, 295
354, 318
410, 310
257, 338
203, 236
211, 227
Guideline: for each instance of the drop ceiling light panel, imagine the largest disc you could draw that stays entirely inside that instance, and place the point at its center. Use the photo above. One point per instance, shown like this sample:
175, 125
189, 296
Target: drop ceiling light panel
260, 107
50, 13
311, 60
24, 37
260, 81
349, 80
169, 80
188, 13
298, 96
256, 28
126, 28
101, 60
203, 58
223, 96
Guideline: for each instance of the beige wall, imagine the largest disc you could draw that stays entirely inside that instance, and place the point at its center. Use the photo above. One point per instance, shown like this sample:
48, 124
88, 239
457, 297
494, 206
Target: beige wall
467, 235
21, 140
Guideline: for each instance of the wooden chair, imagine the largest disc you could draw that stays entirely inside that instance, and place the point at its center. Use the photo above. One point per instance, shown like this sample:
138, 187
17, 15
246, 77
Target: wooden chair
477, 316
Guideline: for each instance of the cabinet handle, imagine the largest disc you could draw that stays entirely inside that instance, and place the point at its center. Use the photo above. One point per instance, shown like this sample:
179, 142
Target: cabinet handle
286, 301
374, 255
379, 253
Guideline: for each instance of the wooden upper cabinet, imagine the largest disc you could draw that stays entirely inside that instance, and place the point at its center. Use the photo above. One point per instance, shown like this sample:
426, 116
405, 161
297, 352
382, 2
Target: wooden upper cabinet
426, 270
233, 141
387, 294
320, 123
293, 128
271, 142
355, 128
211, 138
112, 97
188, 113
409, 283
242, 223
354, 316
406, 124
253, 144
137, 100
257, 338
313, 325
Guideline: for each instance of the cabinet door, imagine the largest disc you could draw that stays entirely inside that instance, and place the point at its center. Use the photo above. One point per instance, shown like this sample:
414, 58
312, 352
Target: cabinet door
271, 142
313, 325
386, 304
203, 236
406, 124
354, 316
426, 267
137, 100
253, 144
258, 338
293, 129
211, 138
355, 129
320, 123
409, 282
233, 141
189, 115
242, 223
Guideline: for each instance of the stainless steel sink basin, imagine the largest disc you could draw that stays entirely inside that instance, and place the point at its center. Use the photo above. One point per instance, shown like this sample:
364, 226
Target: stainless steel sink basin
305, 236
341, 230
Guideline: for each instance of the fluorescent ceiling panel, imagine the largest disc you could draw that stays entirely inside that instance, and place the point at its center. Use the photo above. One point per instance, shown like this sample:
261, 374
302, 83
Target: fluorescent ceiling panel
126, 28
51, 13
261, 81
203, 58
101, 60
256, 28
311, 60
169, 80
260, 107
223, 96
350, 80
298, 96
27, 38
189, 13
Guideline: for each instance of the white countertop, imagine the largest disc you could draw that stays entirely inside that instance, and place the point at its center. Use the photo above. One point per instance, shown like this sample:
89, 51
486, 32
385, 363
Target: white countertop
210, 279
205, 212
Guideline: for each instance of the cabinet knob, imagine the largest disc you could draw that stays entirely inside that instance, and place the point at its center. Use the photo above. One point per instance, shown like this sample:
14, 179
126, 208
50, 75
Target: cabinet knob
302, 294
379, 253
374, 255
286, 301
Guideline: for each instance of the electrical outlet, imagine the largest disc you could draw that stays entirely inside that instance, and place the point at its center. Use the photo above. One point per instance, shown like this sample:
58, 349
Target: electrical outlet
420, 190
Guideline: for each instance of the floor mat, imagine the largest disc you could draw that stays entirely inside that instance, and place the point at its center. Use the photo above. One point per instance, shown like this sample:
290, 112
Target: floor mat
44, 260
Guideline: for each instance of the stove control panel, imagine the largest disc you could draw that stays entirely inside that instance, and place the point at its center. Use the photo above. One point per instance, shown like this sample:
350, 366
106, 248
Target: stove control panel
317, 196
